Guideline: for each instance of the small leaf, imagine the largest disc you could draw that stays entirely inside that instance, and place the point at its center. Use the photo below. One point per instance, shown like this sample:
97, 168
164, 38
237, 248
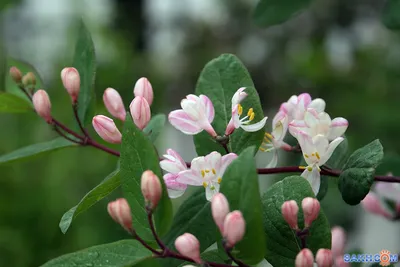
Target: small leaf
155, 126
118, 254
138, 155
209, 256
10, 103
282, 243
369, 156
272, 12
240, 186
355, 183
85, 62
36, 149
108, 185
219, 80
391, 14
194, 216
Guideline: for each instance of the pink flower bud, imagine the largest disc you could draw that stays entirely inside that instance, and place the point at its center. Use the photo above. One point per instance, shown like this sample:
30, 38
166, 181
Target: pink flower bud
16, 74
114, 104
106, 129
338, 241
42, 105
339, 262
234, 228
324, 258
305, 258
372, 204
289, 212
311, 208
230, 128
219, 209
151, 188
140, 111
144, 89
188, 245
29, 80
72, 82
120, 211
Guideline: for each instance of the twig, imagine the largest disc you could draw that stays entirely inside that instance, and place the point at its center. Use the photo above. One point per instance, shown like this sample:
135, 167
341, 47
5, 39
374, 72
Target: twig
228, 252
75, 108
153, 230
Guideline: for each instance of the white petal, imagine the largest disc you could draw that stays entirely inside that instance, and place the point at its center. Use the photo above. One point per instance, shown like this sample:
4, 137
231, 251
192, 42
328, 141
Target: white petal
388, 190
209, 108
238, 96
332, 146
318, 104
311, 117
256, 126
235, 117
338, 127
298, 125
211, 192
225, 161
321, 144
190, 177
170, 166
198, 164
175, 193
213, 160
192, 109
274, 159
305, 142
314, 178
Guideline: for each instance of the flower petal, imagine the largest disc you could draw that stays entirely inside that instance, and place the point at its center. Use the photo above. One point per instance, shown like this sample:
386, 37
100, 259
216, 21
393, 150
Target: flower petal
304, 100
235, 117
306, 143
198, 164
256, 126
331, 148
192, 109
190, 177
210, 193
274, 159
338, 127
209, 107
225, 161
175, 193
238, 96
171, 183
213, 160
321, 144
390, 191
177, 157
170, 166
311, 117
314, 178
318, 104
181, 121
298, 125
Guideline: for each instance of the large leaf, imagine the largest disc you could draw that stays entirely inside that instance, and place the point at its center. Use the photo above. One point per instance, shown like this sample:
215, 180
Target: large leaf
194, 216
85, 63
391, 14
358, 173
36, 149
138, 155
240, 186
219, 80
10, 103
155, 126
108, 185
281, 240
272, 12
118, 254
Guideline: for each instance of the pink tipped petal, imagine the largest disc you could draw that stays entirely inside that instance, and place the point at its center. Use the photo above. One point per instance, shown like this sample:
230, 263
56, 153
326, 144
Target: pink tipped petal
314, 178
256, 126
230, 128
209, 107
192, 109
311, 118
190, 177
170, 166
235, 117
214, 159
318, 104
181, 121
171, 183
239, 96
209, 129
321, 144
390, 191
225, 161
281, 115
304, 100
297, 125
198, 164
192, 97
176, 156
331, 148
372, 204
306, 143
338, 128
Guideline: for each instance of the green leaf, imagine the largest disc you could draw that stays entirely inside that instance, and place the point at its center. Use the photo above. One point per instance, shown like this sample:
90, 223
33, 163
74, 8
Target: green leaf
3, 62
219, 80
323, 188
240, 186
272, 12
209, 256
282, 243
85, 63
358, 173
36, 149
10, 103
108, 185
193, 216
155, 126
118, 254
391, 14
138, 155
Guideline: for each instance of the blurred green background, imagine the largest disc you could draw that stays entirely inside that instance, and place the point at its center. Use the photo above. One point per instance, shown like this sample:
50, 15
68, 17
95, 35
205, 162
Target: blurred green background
340, 52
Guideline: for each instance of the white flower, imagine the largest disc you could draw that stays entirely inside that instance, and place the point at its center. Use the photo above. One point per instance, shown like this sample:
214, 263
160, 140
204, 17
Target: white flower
174, 164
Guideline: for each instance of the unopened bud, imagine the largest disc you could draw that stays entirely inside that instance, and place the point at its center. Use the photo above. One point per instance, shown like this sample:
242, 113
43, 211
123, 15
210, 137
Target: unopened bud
305, 258
72, 82
120, 211
311, 209
42, 105
151, 188
16, 75
338, 241
106, 129
219, 209
114, 104
189, 246
324, 258
140, 111
29, 80
372, 204
289, 211
144, 89
234, 228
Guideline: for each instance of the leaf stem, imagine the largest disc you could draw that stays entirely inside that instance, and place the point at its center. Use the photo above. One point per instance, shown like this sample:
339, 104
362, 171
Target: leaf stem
228, 252
75, 108
153, 230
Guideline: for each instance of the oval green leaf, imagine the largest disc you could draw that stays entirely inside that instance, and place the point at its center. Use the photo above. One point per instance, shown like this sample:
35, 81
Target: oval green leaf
155, 126
10, 103
391, 14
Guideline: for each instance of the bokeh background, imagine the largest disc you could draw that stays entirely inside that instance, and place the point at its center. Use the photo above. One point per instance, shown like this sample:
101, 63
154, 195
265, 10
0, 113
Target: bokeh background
340, 52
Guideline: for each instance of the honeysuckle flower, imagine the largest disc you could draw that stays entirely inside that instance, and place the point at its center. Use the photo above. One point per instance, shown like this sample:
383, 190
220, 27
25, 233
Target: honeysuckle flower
196, 115
315, 123
296, 106
244, 122
316, 151
174, 164
207, 171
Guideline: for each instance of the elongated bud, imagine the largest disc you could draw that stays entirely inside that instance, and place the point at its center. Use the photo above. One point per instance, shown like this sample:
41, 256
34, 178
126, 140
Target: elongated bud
72, 82
114, 104
289, 212
151, 188
338, 241
16, 75
42, 105
144, 89
219, 209
305, 258
372, 204
234, 228
324, 258
188, 245
29, 80
120, 211
106, 129
311, 208
140, 111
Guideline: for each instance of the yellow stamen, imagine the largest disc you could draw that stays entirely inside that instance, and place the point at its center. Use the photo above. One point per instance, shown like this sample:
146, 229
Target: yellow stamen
219, 180
302, 167
203, 173
305, 155
213, 171
312, 154
204, 184
267, 140
207, 171
309, 168
269, 135
262, 149
317, 155
252, 116
319, 169
212, 187
250, 112
240, 109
